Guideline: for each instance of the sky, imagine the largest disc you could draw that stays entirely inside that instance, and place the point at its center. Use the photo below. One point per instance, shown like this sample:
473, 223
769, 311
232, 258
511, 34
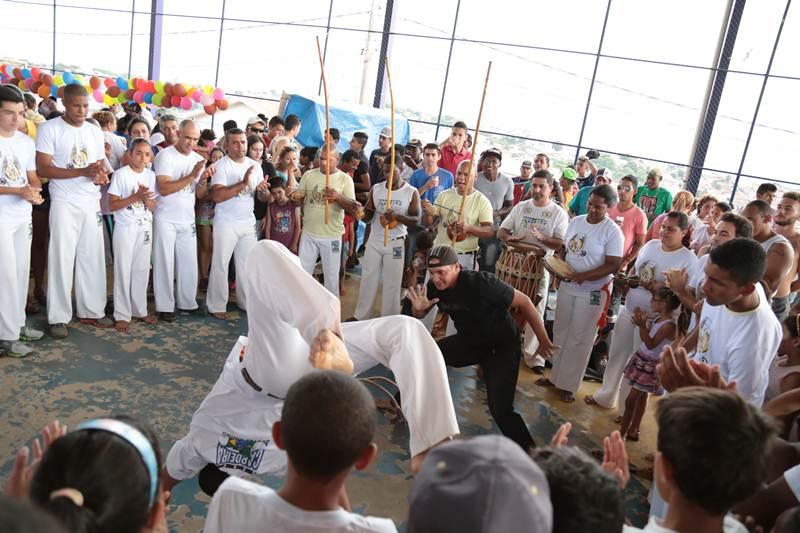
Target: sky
646, 109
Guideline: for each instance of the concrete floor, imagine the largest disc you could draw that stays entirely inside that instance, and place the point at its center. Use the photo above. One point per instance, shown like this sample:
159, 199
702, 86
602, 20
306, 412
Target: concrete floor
162, 373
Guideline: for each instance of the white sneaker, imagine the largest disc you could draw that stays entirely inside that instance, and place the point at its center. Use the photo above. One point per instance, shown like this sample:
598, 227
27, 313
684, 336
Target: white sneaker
15, 349
30, 334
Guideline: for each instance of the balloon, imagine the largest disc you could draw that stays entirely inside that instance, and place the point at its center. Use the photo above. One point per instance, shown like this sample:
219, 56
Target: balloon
36, 73
17, 72
94, 82
148, 98
186, 103
3, 68
207, 100
157, 98
151, 87
54, 90
26, 73
208, 89
67, 77
58, 80
179, 90
122, 83
129, 93
77, 80
35, 86
219, 94
196, 95
122, 98
98, 95
168, 89
210, 109
138, 97
113, 92
109, 82
159, 86
60, 92
44, 91
47, 79
108, 100
222, 105
28, 83
175, 100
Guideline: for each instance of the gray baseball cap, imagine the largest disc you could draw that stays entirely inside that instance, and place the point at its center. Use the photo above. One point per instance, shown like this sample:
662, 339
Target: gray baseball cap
487, 484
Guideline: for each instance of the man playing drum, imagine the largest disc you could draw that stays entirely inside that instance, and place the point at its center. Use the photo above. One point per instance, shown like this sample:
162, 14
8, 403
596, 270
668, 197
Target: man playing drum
541, 222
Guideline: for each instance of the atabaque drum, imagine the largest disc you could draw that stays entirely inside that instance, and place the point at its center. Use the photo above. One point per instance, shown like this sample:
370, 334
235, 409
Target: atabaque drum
521, 266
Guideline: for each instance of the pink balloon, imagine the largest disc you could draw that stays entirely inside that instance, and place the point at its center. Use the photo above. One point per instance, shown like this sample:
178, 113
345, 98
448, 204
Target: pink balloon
138, 97
197, 95
186, 103
98, 95
29, 83
218, 94
206, 100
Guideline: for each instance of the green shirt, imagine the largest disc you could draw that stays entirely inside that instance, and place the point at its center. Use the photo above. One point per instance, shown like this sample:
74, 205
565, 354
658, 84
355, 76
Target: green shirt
653, 202
580, 201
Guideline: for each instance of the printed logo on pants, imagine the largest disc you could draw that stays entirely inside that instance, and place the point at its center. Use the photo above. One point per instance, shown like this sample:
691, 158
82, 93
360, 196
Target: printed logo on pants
397, 252
335, 247
99, 218
240, 454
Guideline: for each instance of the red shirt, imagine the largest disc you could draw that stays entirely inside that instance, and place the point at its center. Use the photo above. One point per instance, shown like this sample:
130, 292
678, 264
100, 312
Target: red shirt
451, 159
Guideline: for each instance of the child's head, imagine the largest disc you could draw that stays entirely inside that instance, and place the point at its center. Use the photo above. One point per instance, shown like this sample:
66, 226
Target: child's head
103, 476
255, 147
21, 517
308, 155
695, 420
327, 426
277, 188
216, 154
664, 301
141, 153
424, 241
287, 158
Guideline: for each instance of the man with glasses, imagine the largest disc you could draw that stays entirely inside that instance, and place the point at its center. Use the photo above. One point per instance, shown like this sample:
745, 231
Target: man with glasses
255, 126
652, 198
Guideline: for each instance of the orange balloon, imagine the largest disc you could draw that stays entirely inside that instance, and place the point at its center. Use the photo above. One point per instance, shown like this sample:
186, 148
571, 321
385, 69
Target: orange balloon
180, 90
60, 93
210, 109
114, 91
44, 91
168, 89
222, 105
94, 82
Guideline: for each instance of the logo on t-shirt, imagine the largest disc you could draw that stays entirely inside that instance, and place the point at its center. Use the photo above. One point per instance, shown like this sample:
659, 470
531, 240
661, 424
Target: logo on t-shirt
648, 204
240, 454
78, 157
647, 271
12, 175
576, 244
703, 340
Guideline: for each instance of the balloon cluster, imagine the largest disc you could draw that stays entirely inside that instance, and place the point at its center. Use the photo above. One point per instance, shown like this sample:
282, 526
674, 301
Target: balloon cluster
110, 91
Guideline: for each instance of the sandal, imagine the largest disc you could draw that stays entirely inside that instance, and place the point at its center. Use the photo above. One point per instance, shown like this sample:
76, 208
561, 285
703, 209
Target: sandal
122, 326
544, 382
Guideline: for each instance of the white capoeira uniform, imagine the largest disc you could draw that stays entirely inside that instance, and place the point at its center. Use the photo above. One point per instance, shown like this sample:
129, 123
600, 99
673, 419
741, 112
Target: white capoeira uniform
384, 264
76, 223
234, 232
17, 158
232, 428
133, 242
175, 243
551, 220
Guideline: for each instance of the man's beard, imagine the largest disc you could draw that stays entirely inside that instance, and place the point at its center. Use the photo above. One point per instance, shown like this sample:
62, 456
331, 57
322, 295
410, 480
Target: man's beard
785, 222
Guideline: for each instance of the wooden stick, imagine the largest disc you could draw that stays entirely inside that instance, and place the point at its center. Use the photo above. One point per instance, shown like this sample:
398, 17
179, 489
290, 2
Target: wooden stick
474, 149
327, 128
391, 169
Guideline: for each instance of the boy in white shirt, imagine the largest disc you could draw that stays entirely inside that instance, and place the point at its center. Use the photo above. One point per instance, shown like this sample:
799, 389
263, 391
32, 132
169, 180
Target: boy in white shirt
696, 421
132, 199
324, 402
19, 188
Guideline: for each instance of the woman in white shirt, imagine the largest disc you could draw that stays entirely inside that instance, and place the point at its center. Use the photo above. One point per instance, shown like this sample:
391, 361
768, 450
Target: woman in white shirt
655, 258
594, 245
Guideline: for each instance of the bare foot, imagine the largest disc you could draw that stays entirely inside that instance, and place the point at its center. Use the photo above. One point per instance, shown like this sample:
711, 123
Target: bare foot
327, 352
147, 319
544, 382
417, 460
219, 316
590, 400
122, 326
567, 396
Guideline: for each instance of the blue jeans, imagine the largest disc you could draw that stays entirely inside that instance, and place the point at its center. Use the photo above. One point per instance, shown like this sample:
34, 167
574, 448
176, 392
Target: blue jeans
489, 253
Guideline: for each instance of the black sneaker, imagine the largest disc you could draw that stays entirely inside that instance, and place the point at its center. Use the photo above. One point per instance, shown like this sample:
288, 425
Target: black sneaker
197, 311
167, 316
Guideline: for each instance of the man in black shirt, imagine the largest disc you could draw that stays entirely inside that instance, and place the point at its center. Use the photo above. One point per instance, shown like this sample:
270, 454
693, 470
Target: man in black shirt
383, 150
480, 305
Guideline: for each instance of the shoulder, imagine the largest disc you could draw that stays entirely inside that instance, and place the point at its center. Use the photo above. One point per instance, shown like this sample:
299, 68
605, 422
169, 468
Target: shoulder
235, 487
443, 172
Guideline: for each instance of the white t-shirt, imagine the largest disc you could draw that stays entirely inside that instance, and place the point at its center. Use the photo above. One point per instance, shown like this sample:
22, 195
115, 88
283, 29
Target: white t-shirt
742, 344
401, 200
498, 191
238, 209
729, 525
177, 207
792, 478
551, 220
246, 507
17, 158
124, 183
117, 148
72, 147
588, 245
651, 263
698, 274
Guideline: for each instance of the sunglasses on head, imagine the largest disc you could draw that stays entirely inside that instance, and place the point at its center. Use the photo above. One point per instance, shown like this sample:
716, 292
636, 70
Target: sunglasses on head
256, 130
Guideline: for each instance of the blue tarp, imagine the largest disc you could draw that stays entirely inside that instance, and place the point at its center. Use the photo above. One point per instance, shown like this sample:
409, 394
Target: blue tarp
347, 119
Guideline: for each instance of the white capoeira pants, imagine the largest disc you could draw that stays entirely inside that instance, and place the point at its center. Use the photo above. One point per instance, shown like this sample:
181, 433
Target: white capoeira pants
76, 249
531, 342
574, 330
235, 240
235, 420
625, 340
15, 248
174, 259
133, 242
329, 251
381, 265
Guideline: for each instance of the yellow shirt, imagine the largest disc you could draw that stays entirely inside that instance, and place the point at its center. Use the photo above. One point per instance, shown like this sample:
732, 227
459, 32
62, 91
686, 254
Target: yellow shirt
31, 128
312, 185
477, 210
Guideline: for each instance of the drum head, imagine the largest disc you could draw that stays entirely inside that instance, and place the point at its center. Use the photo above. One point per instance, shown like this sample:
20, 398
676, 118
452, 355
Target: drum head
525, 248
558, 267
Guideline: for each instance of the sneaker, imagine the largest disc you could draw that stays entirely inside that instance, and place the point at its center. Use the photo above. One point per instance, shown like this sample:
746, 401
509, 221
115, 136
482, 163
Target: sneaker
166, 316
15, 349
197, 311
28, 334
58, 331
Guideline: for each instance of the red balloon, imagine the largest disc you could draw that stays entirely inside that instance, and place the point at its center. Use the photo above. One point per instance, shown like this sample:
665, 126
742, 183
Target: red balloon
94, 82
151, 86
176, 101
222, 105
168, 89
141, 85
36, 73
114, 91
129, 93
3, 68
17, 72
47, 79
35, 86
210, 109
109, 82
